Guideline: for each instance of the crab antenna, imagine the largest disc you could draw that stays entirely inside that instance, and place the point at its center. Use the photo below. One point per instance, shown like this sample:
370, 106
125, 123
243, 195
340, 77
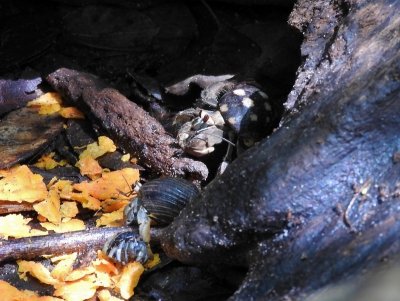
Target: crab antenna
224, 139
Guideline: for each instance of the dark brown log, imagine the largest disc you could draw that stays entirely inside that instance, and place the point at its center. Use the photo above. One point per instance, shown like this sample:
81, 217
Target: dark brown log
132, 127
56, 244
304, 208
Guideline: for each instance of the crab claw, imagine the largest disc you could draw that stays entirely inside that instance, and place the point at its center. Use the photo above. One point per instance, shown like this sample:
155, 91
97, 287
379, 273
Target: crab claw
125, 247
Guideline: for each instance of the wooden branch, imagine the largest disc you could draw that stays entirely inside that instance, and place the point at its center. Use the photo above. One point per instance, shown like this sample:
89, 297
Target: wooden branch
14, 207
61, 243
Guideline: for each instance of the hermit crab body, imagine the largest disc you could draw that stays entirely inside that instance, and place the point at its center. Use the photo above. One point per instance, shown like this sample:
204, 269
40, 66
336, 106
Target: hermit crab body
157, 202
239, 113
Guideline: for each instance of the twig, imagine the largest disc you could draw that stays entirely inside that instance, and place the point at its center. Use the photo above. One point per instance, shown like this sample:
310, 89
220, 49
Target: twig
13, 207
32, 247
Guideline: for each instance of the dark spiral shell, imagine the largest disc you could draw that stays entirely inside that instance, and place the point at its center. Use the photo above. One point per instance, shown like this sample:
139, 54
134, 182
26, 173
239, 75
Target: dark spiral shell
164, 198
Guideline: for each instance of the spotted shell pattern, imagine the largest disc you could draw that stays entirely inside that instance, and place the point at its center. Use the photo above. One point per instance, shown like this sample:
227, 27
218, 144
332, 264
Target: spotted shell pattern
247, 110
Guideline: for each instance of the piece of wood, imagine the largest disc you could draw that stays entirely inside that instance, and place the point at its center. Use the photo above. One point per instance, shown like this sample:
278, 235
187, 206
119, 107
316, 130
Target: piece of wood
24, 132
304, 208
61, 243
13, 207
129, 125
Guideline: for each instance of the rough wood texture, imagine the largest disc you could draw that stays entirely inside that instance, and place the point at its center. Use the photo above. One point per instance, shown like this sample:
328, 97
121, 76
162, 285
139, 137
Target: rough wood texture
131, 127
81, 241
24, 132
327, 181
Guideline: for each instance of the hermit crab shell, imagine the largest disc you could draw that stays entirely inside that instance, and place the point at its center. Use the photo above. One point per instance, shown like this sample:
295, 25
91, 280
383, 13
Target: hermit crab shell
246, 109
164, 198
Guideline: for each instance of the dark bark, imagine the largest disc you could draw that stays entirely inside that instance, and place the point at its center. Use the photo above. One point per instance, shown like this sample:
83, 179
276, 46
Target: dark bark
338, 144
24, 133
15, 94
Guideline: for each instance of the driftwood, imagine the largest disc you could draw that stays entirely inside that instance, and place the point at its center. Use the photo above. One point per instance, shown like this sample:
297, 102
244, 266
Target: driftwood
318, 200
132, 127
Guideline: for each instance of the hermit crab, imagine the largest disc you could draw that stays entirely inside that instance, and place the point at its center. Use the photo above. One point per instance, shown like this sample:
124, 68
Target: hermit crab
157, 202
239, 113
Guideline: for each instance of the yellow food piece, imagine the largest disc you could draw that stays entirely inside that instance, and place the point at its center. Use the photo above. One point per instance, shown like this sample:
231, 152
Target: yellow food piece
89, 166
64, 266
99, 148
15, 225
103, 279
50, 207
65, 225
79, 290
152, 263
111, 205
47, 162
129, 279
79, 273
69, 209
71, 113
36, 270
47, 104
112, 219
112, 185
105, 295
11, 293
104, 263
125, 158
20, 184
86, 200
64, 187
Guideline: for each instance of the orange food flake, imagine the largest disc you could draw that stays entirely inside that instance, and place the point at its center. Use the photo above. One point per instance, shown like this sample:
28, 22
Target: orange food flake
69, 209
79, 273
50, 207
112, 185
47, 162
66, 225
64, 266
152, 263
111, 205
47, 103
89, 166
36, 270
97, 149
113, 219
71, 113
20, 184
79, 290
86, 200
19, 228
105, 295
129, 279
